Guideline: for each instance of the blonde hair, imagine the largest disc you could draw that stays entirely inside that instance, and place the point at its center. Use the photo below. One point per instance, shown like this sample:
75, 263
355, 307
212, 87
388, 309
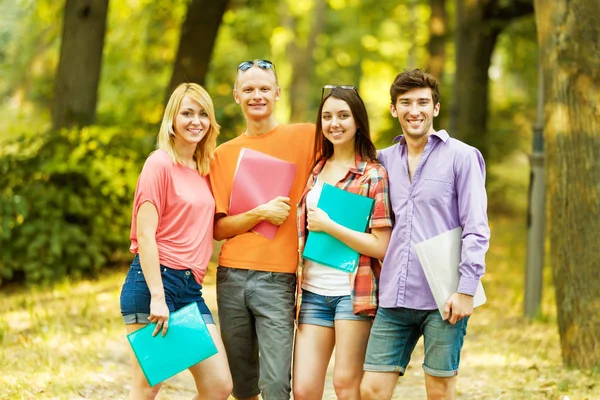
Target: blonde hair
166, 135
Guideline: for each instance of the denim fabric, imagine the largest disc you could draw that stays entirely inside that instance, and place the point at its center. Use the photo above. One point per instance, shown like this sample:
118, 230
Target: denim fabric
396, 331
324, 310
180, 287
256, 315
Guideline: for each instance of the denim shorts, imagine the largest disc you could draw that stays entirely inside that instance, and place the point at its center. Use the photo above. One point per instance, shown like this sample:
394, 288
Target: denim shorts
180, 287
396, 331
256, 316
316, 309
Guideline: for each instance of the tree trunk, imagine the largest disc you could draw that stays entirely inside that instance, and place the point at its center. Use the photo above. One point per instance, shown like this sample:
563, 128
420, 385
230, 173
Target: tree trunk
475, 43
198, 36
78, 73
302, 65
569, 37
438, 29
478, 24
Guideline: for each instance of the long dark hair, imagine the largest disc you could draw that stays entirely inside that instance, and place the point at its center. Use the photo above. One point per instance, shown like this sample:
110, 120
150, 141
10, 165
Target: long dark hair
363, 144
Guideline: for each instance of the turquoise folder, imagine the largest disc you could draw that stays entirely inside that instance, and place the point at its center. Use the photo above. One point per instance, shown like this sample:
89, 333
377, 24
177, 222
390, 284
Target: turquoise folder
186, 343
348, 209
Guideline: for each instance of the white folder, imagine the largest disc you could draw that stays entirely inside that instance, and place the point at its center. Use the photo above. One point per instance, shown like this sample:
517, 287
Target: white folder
440, 257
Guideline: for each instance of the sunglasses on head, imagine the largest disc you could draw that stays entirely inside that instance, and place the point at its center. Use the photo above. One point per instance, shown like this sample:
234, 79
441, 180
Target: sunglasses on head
327, 89
264, 64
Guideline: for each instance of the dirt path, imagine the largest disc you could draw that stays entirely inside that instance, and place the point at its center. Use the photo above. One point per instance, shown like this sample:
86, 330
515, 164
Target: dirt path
69, 342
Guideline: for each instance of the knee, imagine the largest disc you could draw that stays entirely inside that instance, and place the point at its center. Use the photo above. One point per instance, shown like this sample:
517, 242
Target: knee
221, 393
346, 385
369, 391
304, 391
141, 390
440, 388
220, 388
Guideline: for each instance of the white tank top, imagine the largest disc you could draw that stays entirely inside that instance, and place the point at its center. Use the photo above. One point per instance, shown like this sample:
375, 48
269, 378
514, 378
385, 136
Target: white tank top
318, 278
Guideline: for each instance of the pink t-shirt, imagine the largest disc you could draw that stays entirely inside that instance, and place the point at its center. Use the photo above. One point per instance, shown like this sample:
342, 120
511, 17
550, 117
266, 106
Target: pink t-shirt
186, 210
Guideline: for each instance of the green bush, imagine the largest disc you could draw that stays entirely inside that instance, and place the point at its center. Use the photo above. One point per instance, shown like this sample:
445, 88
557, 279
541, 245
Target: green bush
65, 201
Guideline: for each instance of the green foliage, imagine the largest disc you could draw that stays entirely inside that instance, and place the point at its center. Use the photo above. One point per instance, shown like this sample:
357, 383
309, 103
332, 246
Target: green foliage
507, 185
513, 89
29, 38
65, 197
65, 200
140, 47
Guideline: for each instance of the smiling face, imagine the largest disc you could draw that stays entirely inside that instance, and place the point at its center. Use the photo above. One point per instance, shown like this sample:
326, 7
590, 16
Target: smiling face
256, 92
337, 121
191, 123
415, 111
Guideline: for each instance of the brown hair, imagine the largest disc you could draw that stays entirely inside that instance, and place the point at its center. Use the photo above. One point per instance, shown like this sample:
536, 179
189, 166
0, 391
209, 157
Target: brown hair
414, 79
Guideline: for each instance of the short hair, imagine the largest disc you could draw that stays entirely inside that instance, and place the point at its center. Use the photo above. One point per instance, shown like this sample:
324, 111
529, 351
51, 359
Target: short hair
255, 64
166, 135
362, 140
414, 79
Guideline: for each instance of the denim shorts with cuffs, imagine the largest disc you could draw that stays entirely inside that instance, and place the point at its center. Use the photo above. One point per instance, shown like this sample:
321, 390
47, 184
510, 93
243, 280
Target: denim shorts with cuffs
320, 310
180, 288
395, 333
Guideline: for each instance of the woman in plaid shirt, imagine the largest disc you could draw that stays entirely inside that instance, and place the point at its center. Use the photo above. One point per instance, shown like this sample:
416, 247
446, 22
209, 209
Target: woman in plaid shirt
336, 309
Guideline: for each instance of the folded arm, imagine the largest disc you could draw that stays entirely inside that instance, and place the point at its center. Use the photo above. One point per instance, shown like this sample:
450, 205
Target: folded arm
373, 244
275, 211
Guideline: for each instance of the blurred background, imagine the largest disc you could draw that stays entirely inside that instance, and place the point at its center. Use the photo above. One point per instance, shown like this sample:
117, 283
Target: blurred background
78, 120
83, 85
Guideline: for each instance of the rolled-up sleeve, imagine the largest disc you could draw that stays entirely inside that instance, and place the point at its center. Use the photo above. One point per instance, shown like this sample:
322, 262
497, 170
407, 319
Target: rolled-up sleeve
381, 216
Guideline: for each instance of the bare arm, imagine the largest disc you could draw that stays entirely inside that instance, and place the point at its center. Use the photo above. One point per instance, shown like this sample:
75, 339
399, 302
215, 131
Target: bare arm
147, 223
372, 244
275, 211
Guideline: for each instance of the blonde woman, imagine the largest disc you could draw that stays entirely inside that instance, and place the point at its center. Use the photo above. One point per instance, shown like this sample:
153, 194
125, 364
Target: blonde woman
171, 235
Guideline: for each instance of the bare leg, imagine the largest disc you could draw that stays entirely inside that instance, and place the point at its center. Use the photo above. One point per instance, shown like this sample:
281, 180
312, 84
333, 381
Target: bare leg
351, 339
212, 376
312, 352
378, 385
140, 388
440, 388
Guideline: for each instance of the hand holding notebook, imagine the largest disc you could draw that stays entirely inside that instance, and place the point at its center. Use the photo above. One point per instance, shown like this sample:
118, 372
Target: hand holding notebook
348, 209
260, 178
440, 257
186, 343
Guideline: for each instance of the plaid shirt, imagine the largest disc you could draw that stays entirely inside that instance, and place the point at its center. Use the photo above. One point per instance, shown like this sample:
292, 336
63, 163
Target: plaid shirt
367, 179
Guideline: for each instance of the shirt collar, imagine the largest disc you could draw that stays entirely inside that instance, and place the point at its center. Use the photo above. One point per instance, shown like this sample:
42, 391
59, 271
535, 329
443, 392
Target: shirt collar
442, 134
358, 168
359, 165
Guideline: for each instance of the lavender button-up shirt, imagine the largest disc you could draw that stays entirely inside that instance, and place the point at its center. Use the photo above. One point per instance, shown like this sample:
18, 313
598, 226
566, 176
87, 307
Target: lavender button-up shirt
447, 191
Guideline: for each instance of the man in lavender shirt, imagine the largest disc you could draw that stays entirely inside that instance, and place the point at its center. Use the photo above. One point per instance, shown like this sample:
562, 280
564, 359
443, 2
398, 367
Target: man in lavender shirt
437, 183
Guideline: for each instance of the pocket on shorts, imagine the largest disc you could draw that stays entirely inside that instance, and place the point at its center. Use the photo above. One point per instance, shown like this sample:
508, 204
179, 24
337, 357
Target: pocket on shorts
222, 273
283, 278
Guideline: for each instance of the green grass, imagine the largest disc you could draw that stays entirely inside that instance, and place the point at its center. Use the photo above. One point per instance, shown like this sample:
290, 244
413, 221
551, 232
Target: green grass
68, 342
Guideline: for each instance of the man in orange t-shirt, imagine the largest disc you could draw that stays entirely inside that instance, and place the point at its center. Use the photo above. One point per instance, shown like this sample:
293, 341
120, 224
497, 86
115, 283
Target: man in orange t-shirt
256, 277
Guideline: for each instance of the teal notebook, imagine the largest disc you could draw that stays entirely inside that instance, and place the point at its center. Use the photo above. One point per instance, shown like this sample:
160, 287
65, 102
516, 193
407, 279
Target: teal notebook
348, 209
186, 343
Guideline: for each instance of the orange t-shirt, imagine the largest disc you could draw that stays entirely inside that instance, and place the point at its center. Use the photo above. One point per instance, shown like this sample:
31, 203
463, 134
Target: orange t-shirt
293, 143
185, 209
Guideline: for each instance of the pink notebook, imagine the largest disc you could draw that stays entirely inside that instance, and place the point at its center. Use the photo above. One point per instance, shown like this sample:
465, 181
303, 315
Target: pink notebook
259, 178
